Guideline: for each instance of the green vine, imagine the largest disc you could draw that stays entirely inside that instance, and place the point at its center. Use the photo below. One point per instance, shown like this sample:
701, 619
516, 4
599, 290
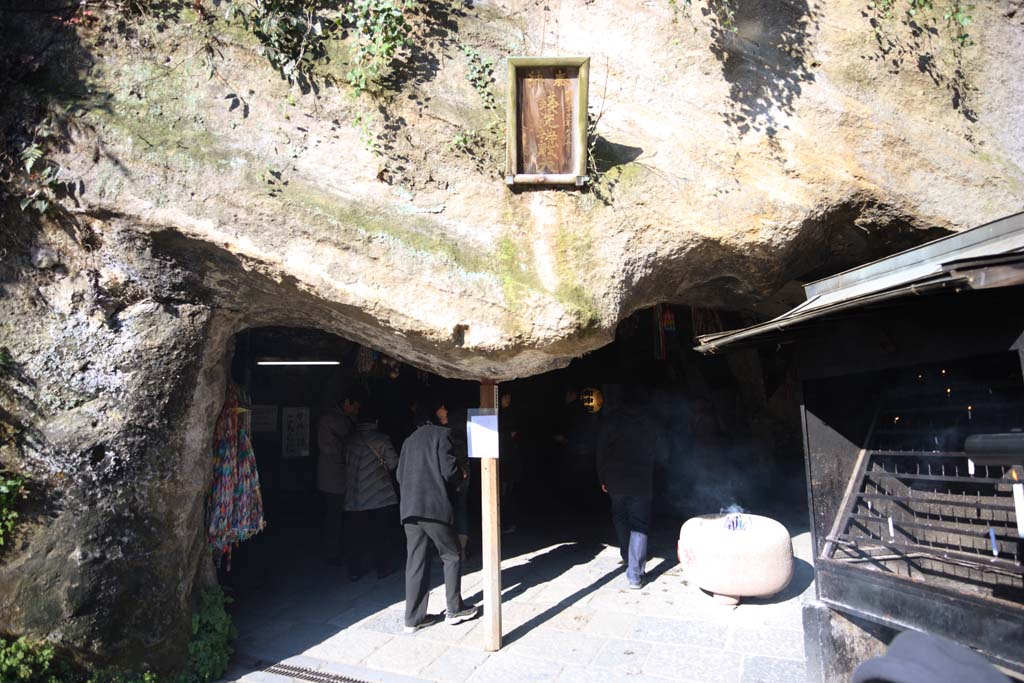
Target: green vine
381, 31
480, 73
956, 15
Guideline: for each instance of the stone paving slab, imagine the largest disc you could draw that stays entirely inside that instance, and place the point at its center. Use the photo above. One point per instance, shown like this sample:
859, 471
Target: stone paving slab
786, 643
565, 647
567, 616
405, 655
693, 663
772, 670
350, 646
455, 664
622, 657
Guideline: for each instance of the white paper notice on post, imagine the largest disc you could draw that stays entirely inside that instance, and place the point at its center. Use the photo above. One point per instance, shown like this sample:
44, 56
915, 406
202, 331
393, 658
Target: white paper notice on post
482, 432
1018, 507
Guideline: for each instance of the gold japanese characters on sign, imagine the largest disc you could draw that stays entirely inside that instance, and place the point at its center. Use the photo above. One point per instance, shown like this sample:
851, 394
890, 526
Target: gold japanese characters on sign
547, 120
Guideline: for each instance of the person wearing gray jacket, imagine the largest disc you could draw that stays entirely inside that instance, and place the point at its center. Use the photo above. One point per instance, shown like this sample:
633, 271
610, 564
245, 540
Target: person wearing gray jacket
371, 503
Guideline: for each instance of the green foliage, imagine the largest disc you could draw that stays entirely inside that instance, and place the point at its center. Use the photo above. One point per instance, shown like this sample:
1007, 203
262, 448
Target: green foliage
723, 12
480, 72
26, 169
381, 30
24, 662
465, 141
957, 20
209, 650
115, 675
956, 15
11, 491
293, 34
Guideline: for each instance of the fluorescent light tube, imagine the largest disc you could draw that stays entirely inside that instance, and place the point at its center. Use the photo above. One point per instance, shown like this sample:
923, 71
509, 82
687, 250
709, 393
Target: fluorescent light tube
298, 362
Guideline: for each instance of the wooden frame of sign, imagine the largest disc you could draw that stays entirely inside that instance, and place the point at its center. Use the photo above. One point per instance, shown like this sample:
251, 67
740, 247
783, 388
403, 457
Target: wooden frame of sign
546, 131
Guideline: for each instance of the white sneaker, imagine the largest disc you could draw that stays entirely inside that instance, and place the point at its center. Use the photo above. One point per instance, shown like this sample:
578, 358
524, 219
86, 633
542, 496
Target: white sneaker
413, 629
465, 614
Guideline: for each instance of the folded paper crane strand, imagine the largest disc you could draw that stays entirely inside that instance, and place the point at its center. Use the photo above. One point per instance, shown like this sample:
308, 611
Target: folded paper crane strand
235, 506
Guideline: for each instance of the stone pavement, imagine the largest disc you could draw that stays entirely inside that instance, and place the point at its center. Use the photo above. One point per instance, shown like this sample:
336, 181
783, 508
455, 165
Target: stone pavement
567, 616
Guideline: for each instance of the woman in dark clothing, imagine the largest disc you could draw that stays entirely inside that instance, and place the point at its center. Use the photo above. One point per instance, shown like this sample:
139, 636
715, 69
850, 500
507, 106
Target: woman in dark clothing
427, 470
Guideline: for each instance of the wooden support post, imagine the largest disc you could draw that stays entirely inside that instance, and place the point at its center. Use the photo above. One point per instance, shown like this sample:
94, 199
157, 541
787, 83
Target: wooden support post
490, 490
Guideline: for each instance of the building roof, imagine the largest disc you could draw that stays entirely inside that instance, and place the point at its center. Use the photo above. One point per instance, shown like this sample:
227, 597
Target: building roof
988, 256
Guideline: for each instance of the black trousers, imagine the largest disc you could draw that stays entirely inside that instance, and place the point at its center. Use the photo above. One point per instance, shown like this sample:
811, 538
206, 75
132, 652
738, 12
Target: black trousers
371, 534
418, 535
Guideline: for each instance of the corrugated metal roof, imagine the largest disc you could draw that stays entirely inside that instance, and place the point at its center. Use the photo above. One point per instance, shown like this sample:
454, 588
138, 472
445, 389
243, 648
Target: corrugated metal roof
949, 261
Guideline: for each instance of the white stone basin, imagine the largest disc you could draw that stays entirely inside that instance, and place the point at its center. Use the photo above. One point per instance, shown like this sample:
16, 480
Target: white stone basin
754, 560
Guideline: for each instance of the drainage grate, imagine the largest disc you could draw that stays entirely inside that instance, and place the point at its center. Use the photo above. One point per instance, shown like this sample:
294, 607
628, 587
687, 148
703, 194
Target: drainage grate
310, 674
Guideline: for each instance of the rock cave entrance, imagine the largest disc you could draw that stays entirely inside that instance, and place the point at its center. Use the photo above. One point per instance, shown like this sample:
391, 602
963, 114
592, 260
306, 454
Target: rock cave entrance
724, 431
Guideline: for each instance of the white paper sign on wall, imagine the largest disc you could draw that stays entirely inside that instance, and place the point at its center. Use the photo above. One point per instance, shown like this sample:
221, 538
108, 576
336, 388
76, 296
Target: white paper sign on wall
294, 432
482, 432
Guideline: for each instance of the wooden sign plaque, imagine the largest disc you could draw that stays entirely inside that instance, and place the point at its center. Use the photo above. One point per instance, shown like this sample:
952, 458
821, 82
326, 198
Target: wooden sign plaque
547, 120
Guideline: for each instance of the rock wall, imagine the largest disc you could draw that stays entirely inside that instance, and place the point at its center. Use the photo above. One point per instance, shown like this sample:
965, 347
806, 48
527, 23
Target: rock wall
116, 370
730, 164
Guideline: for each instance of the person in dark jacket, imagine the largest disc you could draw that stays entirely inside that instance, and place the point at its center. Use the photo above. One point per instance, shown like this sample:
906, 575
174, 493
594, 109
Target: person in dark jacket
371, 504
915, 657
510, 464
427, 470
626, 453
332, 429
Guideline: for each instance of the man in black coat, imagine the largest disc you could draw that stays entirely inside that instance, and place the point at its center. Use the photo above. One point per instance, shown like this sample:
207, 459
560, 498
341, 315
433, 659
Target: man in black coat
427, 469
628, 447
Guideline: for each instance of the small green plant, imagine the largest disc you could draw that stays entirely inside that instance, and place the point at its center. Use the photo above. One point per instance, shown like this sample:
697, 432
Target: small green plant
11, 491
479, 144
465, 141
480, 72
27, 171
209, 650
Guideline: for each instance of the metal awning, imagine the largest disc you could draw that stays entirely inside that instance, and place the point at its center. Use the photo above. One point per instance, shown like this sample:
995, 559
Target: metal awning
988, 256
